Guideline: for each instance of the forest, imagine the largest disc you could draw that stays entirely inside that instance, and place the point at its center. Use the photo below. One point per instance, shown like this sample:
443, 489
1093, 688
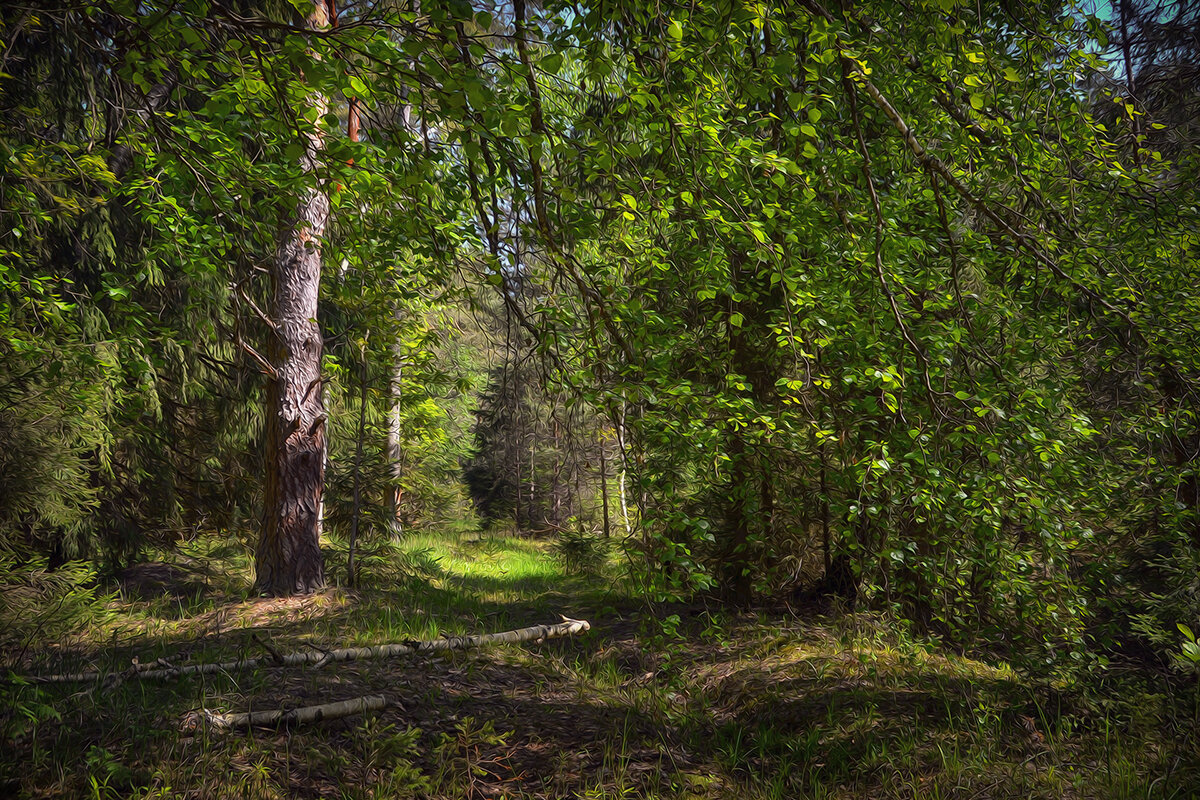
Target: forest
579, 398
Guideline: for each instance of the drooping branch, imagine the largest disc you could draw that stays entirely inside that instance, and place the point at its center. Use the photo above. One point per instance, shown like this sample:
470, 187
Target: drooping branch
160, 670
592, 299
1020, 238
934, 164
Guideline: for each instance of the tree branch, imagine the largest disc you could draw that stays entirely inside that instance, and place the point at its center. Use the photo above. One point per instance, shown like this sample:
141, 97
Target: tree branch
536, 633
279, 718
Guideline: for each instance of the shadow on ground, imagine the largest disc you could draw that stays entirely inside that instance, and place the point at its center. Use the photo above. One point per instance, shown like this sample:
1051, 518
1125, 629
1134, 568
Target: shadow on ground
729, 706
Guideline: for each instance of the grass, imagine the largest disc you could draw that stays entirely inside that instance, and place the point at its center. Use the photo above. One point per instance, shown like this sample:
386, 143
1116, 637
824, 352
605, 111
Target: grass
678, 702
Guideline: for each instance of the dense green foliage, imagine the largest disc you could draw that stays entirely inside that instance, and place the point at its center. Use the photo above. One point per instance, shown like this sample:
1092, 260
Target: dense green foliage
762, 288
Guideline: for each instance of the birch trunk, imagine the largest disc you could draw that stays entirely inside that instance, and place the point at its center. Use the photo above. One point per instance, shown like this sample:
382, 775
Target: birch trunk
624, 470
161, 670
395, 440
280, 718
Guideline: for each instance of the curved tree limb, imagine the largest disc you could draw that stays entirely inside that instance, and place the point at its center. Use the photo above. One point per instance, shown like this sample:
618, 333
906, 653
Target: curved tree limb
934, 164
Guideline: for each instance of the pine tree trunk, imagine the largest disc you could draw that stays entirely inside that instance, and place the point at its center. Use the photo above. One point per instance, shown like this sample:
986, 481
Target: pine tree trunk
289, 555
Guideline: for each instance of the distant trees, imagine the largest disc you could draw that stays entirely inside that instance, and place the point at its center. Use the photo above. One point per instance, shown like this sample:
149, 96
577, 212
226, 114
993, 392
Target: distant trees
537, 453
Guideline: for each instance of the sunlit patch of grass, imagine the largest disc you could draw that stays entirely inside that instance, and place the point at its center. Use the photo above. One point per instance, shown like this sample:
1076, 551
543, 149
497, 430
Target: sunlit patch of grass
500, 568
455, 581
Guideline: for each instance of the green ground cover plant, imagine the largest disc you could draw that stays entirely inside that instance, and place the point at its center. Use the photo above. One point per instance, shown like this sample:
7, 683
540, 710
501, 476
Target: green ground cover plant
676, 701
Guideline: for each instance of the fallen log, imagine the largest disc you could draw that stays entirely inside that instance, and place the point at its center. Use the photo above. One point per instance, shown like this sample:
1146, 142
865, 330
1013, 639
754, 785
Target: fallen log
277, 718
161, 670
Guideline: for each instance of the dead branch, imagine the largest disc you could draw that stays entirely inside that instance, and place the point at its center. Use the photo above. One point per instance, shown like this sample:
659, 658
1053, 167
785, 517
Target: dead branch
280, 718
536, 633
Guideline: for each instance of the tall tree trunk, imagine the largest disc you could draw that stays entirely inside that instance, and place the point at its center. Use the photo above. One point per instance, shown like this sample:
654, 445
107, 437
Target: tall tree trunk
749, 519
289, 554
517, 473
624, 470
556, 487
351, 573
1130, 75
604, 487
533, 492
395, 441
735, 561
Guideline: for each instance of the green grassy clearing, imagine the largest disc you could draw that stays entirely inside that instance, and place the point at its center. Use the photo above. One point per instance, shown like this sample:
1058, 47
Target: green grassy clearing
677, 702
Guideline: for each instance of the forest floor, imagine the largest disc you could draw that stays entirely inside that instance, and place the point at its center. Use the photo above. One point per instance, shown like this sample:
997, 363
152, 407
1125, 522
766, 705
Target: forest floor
665, 702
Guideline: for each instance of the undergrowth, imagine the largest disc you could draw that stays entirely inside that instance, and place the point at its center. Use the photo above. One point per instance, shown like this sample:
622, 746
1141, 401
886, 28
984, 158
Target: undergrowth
668, 702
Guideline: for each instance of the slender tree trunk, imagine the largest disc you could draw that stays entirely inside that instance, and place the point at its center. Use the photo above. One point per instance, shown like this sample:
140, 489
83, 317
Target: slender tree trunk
825, 544
624, 469
517, 481
289, 554
556, 487
351, 577
604, 489
395, 442
533, 484
735, 562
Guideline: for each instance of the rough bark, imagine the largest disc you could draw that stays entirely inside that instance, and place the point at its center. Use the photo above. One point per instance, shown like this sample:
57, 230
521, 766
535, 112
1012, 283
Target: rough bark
289, 555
